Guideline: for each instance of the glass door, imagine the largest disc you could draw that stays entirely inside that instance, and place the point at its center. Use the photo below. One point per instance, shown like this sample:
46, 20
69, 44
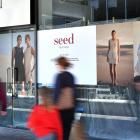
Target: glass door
24, 60
6, 84
18, 70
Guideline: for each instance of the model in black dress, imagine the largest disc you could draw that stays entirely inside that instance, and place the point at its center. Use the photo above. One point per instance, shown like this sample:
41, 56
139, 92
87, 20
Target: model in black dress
17, 63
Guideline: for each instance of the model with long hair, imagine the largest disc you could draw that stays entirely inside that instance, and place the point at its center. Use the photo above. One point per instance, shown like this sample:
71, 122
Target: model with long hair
113, 56
29, 54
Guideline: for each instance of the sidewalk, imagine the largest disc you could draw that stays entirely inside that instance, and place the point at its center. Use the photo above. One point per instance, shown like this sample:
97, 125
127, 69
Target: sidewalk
18, 134
15, 134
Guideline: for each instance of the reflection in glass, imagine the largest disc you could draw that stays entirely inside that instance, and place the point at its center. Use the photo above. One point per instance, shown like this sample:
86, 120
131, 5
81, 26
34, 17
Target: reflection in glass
20, 94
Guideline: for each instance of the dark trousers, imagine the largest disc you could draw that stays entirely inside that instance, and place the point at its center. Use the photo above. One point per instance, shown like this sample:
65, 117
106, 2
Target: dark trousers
3, 97
67, 117
49, 137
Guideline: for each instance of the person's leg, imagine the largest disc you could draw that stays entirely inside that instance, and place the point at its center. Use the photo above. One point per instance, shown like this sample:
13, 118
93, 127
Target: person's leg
16, 81
3, 101
23, 88
115, 73
52, 137
67, 120
30, 87
49, 137
27, 87
30, 83
111, 73
15, 89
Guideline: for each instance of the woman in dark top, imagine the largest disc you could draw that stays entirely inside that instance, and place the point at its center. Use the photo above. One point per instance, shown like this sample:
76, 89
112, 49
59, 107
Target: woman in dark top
64, 96
18, 58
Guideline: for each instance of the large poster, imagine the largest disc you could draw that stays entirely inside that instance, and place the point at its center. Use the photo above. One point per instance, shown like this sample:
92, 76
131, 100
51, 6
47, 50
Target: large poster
25, 42
77, 44
115, 56
8, 45
136, 30
14, 12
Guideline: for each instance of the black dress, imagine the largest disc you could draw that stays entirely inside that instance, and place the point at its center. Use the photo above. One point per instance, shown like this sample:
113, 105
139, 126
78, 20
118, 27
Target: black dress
19, 73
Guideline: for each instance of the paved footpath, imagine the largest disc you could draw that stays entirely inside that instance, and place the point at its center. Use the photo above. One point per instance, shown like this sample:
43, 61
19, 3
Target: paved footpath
19, 134
15, 134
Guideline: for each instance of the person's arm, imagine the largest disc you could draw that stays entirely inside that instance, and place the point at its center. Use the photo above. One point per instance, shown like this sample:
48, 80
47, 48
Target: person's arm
108, 50
33, 53
57, 88
118, 51
13, 57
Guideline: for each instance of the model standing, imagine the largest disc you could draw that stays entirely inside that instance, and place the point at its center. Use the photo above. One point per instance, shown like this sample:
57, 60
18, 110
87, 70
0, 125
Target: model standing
113, 56
18, 62
29, 54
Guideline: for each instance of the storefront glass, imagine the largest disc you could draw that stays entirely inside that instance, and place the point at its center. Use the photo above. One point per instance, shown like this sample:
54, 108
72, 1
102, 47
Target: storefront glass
17, 74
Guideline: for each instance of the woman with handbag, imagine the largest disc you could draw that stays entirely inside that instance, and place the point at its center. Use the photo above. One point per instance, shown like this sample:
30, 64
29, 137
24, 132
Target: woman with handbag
64, 96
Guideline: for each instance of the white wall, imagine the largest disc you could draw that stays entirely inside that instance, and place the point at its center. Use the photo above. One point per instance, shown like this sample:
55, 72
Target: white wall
15, 12
81, 52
